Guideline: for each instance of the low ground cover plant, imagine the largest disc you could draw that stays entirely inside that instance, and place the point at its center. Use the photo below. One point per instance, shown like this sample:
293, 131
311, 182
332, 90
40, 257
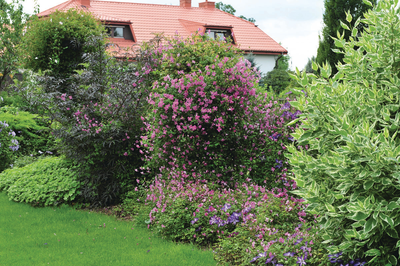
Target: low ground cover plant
244, 225
350, 173
46, 182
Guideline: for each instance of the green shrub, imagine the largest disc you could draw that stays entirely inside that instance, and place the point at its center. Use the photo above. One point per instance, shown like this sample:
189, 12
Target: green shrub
9, 145
29, 129
97, 119
277, 79
350, 174
56, 42
48, 181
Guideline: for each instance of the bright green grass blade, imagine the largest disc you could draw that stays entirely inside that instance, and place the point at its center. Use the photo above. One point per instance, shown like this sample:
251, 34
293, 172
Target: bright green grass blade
64, 236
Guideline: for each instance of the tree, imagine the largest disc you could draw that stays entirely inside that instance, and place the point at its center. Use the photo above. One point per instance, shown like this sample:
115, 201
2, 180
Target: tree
229, 9
12, 20
308, 67
334, 14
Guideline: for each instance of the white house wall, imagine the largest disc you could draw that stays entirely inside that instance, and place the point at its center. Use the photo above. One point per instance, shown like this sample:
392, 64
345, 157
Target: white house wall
266, 63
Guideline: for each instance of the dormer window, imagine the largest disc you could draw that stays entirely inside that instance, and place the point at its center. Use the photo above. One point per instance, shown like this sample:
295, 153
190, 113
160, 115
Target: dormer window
115, 31
219, 35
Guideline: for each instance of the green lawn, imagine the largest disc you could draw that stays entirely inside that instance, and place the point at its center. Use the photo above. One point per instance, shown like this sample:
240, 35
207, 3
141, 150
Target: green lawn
64, 236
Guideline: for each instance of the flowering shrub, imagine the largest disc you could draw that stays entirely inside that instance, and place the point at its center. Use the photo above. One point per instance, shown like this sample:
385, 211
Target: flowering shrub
209, 122
239, 222
8, 145
97, 120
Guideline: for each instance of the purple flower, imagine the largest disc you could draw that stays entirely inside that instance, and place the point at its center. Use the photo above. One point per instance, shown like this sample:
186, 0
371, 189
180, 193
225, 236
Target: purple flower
269, 259
289, 254
298, 241
286, 106
214, 220
254, 259
301, 261
246, 210
226, 207
194, 221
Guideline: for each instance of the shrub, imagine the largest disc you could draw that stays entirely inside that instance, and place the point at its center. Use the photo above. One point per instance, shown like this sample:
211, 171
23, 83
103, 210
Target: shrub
97, 119
277, 79
48, 181
8, 145
350, 173
30, 132
239, 223
55, 42
208, 121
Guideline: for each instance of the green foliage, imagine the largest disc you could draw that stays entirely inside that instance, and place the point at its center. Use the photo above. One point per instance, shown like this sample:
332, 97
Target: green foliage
225, 7
229, 9
12, 99
308, 67
31, 133
336, 12
283, 62
96, 119
200, 53
55, 42
278, 80
12, 22
350, 174
8, 145
48, 181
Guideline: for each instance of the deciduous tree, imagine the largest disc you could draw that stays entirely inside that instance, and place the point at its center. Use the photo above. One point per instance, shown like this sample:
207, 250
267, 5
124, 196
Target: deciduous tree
12, 20
229, 9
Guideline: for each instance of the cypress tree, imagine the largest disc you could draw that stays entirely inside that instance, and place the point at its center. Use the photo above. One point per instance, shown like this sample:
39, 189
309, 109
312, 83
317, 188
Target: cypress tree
334, 13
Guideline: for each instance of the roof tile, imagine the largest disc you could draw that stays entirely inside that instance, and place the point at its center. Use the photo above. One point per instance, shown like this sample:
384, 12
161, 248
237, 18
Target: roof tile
147, 19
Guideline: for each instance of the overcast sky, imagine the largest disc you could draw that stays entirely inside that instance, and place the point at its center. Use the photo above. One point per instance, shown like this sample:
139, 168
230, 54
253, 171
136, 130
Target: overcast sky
295, 24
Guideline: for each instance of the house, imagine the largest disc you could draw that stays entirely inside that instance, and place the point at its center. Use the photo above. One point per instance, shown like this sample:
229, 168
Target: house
133, 23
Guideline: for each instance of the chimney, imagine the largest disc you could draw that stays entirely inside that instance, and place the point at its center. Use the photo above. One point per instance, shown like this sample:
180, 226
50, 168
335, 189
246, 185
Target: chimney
207, 4
186, 3
84, 2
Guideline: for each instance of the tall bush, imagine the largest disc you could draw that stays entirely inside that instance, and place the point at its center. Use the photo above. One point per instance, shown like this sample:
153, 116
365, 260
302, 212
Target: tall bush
96, 120
55, 42
206, 118
350, 173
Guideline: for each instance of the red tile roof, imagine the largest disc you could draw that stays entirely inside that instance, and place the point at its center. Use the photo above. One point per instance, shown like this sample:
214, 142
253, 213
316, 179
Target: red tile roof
147, 19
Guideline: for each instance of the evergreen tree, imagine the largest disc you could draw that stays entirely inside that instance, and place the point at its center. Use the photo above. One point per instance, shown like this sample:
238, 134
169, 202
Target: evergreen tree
308, 67
334, 13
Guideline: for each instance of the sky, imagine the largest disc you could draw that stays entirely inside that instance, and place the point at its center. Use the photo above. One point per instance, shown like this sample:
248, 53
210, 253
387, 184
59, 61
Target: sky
295, 24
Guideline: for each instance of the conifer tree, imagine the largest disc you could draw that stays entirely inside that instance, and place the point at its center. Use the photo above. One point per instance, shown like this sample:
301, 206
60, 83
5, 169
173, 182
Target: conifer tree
334, 13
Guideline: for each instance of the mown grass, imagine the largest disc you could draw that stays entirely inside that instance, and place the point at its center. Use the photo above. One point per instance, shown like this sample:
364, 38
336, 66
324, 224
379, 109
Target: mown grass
65, 236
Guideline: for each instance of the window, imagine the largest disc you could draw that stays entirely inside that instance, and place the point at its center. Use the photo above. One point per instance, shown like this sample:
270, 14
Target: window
219, 35
115, 31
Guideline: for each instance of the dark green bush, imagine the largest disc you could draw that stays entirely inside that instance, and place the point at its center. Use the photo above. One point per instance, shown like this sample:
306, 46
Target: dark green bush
55, 42
277, 79
48, 181
97, 120
350, 174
